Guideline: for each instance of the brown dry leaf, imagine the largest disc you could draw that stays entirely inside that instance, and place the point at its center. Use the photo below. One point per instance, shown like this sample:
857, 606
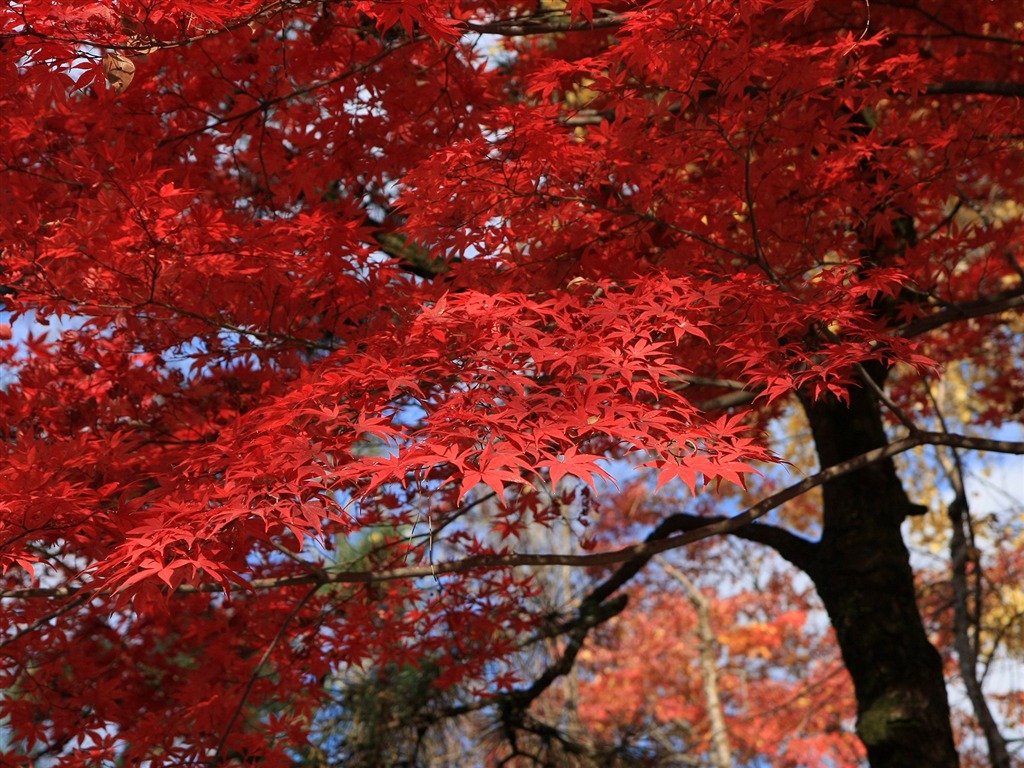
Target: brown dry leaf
119, 70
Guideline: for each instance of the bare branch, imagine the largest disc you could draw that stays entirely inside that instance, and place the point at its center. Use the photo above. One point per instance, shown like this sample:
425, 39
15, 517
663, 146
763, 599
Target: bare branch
542, 24
585, 117
729, 400
986, 305
591, 613
977, 88
796, 549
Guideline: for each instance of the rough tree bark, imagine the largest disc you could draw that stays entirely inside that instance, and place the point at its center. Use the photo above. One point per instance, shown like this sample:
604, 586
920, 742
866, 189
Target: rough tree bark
862, 572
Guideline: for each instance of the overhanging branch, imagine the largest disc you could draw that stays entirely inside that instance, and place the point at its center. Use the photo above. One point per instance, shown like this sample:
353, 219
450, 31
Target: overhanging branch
632, 553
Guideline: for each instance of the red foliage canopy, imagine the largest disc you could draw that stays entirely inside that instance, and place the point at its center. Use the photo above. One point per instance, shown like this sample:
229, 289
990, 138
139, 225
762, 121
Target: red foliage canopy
289, 274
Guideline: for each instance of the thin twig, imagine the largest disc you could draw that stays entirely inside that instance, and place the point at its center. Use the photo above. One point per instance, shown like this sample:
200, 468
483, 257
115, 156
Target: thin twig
966, 651
259, 667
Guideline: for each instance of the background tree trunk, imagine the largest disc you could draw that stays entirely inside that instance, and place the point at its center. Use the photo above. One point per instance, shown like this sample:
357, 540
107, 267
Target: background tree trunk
862, 573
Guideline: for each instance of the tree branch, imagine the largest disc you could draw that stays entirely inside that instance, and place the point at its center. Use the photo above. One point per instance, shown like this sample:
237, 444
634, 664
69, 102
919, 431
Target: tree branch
661, 540
796, 549
977, 88
146, 45
590, 614
259, 668
542, 24
986, 305
585, 117
961, 540
707, 642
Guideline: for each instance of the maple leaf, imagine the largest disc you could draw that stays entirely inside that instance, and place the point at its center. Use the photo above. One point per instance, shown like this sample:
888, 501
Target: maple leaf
346, 322
581, 465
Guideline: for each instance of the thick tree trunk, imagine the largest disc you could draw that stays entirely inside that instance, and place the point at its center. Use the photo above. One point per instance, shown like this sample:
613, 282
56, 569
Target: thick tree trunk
862, 573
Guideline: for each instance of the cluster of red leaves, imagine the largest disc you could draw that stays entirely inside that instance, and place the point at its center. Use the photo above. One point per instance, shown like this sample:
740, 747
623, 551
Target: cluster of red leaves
226, 372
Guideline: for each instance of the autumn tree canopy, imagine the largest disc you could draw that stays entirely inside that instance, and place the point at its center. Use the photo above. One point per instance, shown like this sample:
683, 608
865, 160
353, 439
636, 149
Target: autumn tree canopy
381, 373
